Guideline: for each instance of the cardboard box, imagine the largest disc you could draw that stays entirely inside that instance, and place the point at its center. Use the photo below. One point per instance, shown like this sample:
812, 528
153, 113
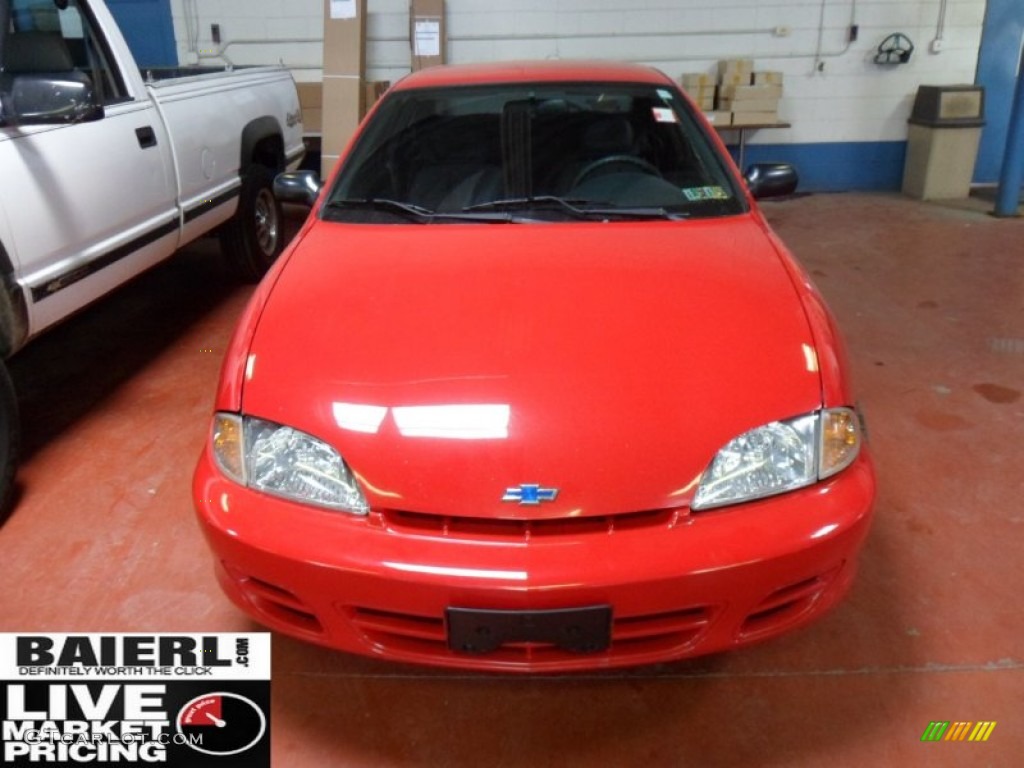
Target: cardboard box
754, 118
692, 80
310, 94
719, 118
761, 105
750, 92
735, 71
311, 101
698, 92
767, 78
345, 37
343, 109
312, 120
428, 34
734, 78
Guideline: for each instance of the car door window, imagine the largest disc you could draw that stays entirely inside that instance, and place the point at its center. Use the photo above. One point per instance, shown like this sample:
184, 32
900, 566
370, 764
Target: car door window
48, 36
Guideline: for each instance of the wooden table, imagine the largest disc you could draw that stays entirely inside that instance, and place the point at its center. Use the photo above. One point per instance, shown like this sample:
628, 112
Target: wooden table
742, 130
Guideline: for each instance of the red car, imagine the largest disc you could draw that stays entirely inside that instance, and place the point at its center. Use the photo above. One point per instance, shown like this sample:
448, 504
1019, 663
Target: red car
535, 388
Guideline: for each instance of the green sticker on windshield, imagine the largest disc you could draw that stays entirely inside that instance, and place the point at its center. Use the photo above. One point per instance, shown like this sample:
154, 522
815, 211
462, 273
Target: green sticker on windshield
695, 194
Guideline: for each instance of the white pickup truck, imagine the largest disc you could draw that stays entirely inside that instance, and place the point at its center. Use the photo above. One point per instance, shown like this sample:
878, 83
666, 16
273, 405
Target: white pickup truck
106, 170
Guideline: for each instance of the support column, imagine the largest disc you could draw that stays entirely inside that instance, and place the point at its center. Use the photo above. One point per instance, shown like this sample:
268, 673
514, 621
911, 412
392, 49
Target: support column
1008, 199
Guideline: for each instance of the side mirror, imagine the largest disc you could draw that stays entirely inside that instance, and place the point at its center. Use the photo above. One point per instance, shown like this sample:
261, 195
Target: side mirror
29, 99
302, 187
771, 179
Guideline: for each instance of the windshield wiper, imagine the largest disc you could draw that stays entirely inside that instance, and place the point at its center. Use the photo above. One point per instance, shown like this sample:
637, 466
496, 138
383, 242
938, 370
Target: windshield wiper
636, 212
411, 211
587, 210
526, 203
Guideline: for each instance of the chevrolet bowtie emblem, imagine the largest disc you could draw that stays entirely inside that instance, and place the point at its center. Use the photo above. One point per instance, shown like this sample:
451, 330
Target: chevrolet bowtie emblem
530, 494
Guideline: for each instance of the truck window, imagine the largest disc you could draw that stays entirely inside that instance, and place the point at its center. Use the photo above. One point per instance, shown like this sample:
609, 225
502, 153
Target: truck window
62, 36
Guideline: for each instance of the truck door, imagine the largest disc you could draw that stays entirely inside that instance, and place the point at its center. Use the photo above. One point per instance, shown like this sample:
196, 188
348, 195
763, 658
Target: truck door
89, 204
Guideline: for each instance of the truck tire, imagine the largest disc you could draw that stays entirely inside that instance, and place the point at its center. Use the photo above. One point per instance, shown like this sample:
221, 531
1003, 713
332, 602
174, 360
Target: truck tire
254, 238
8, 438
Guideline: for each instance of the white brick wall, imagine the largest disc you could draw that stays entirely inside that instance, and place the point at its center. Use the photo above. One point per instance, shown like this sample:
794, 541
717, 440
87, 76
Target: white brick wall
848, 99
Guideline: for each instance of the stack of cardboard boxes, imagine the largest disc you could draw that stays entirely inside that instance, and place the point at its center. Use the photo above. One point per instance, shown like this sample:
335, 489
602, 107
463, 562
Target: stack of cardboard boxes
740, 97
700, 87
333, 110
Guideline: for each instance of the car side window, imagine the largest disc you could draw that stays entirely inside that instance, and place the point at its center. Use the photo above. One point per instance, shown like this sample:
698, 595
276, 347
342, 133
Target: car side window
50, 37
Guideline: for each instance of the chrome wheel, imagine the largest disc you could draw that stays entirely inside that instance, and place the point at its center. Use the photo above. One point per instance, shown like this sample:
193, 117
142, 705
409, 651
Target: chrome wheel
267, 222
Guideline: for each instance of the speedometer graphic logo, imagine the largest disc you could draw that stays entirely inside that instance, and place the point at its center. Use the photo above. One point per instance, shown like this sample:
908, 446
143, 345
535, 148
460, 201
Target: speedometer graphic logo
221, 723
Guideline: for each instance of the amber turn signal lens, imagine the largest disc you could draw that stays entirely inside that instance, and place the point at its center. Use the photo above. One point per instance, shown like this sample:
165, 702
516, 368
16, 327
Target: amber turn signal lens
227, 445
840, 440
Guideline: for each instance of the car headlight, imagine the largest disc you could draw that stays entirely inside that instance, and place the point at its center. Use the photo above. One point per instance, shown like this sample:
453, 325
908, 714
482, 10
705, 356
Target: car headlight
285, 462
779, 457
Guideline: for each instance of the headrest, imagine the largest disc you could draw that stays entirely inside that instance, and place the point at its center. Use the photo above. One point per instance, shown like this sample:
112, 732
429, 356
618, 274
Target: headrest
37, 53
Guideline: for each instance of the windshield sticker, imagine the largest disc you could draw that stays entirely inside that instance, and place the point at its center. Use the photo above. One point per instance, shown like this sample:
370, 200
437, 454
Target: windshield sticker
696, 194
664, 115
664, 95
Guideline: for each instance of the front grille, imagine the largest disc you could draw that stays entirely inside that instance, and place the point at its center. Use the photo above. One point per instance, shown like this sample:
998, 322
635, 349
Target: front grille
632, 635
523, 530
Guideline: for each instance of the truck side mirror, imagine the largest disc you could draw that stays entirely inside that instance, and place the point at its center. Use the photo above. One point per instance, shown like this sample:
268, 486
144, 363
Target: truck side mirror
48, 99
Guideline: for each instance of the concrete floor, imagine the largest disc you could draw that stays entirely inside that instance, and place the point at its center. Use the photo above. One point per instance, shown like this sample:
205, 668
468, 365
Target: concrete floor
931, 299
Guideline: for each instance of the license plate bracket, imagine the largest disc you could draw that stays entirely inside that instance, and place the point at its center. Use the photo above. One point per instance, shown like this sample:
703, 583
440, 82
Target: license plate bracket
577, 630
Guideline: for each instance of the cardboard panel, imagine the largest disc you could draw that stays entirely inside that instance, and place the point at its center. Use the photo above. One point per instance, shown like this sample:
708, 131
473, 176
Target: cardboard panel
345, 38
373, 90
344, 72
428, 33
343, 108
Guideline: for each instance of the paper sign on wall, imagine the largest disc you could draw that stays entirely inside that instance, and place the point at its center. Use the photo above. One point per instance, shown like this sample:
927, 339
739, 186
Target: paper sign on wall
343, 9
427, 37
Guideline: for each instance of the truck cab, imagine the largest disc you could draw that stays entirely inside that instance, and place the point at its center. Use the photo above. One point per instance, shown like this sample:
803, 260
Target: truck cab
108, 170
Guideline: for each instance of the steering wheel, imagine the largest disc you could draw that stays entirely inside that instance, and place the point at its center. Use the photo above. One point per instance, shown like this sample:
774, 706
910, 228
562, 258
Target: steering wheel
637, 162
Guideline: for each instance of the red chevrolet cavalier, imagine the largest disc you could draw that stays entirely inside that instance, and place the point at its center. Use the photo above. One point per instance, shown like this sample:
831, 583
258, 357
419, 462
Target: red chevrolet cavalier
535, 388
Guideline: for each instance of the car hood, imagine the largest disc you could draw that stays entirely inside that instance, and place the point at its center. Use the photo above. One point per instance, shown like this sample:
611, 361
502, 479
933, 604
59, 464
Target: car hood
610, 361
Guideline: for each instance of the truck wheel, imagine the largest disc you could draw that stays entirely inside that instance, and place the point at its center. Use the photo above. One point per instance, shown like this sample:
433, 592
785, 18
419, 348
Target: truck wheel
254, 237
8, 437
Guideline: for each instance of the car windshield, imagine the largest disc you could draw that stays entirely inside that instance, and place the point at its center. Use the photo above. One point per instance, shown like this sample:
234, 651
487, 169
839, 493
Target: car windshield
538, 152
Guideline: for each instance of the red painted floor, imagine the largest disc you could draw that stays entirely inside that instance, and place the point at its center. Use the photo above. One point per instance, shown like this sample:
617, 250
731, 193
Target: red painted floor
102, 537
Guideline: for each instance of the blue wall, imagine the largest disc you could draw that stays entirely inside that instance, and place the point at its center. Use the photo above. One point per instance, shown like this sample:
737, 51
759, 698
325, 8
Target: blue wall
149, 29
837, 166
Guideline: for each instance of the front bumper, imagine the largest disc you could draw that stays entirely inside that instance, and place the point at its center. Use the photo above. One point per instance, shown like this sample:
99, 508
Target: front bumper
678, 585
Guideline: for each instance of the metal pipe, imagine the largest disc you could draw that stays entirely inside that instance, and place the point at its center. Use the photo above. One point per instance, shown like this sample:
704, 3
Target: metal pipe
1012, 175
604, 35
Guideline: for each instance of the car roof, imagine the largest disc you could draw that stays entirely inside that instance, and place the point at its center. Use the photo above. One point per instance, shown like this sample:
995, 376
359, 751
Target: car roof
532, 71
